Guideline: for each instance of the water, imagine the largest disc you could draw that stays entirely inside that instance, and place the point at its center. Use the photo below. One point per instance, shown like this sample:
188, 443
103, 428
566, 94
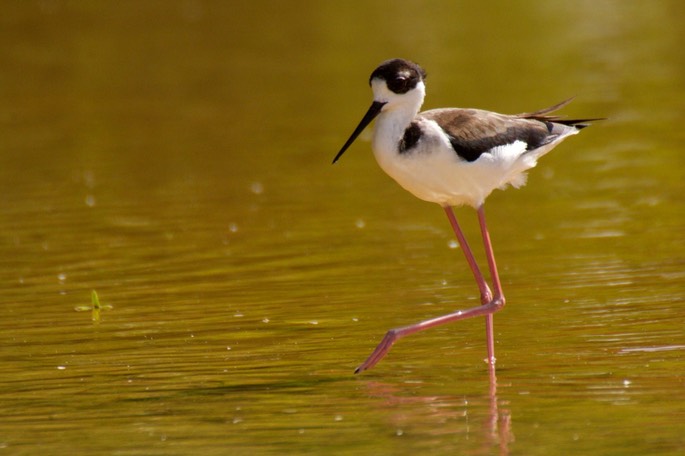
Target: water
175, 158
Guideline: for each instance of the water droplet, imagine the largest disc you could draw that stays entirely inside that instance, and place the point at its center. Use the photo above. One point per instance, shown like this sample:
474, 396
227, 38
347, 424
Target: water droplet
257, 188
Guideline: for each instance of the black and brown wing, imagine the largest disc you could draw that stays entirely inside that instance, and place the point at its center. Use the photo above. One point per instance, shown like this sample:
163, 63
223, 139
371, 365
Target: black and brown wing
473, 132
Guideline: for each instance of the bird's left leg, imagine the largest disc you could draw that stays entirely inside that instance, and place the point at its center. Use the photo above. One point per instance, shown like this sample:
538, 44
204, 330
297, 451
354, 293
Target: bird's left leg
497, 301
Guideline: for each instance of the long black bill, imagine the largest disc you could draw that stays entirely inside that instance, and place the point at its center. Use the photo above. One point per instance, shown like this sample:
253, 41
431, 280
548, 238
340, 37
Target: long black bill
371, 114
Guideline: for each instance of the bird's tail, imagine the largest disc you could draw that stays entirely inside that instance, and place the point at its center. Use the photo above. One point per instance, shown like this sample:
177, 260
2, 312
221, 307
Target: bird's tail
542, 115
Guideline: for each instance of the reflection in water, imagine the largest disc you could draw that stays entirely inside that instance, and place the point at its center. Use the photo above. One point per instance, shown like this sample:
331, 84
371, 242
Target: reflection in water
653, 349
449, 415
500, 420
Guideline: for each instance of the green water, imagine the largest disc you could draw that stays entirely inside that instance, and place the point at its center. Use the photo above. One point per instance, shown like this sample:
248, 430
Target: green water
175, 158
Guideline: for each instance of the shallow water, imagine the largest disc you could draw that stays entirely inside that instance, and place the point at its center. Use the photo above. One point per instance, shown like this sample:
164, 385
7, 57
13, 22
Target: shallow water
175, 157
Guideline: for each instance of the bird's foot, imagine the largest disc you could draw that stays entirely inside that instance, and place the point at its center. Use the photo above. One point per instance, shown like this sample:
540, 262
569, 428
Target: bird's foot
381, 350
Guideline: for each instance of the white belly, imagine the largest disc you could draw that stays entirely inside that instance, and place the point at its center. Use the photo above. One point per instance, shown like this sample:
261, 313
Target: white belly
435, 173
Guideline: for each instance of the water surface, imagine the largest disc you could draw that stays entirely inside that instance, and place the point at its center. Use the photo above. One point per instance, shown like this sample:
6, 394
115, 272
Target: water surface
175, 157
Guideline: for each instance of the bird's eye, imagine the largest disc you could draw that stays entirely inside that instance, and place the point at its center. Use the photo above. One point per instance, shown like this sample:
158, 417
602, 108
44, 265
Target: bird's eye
399, 84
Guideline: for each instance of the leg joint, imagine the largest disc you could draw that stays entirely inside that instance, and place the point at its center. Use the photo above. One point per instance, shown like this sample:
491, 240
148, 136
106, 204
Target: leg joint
498, 303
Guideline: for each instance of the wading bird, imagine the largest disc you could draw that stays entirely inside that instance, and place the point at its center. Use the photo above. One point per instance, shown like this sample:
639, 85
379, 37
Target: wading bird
453, 157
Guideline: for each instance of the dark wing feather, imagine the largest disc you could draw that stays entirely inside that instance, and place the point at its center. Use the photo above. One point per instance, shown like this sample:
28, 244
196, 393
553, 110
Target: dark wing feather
542, 115
473, 132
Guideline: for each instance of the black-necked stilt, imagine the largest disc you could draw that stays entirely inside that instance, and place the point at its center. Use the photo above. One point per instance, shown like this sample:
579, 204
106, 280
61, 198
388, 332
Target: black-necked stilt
453, 157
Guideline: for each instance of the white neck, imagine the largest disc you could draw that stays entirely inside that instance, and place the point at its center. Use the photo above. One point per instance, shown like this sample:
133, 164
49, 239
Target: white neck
397, 114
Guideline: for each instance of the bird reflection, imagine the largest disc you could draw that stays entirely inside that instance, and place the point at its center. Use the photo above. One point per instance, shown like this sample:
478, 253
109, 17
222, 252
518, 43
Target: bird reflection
449, 414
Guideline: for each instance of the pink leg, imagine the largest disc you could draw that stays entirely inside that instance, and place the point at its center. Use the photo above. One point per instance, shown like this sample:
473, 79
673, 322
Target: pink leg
485, 294
497, 285
489, 306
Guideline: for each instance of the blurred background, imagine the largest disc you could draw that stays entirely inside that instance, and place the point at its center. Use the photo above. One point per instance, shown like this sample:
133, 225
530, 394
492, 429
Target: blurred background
175, 157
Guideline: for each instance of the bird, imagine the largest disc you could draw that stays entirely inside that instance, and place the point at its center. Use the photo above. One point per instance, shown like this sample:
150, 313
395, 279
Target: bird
454, 157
